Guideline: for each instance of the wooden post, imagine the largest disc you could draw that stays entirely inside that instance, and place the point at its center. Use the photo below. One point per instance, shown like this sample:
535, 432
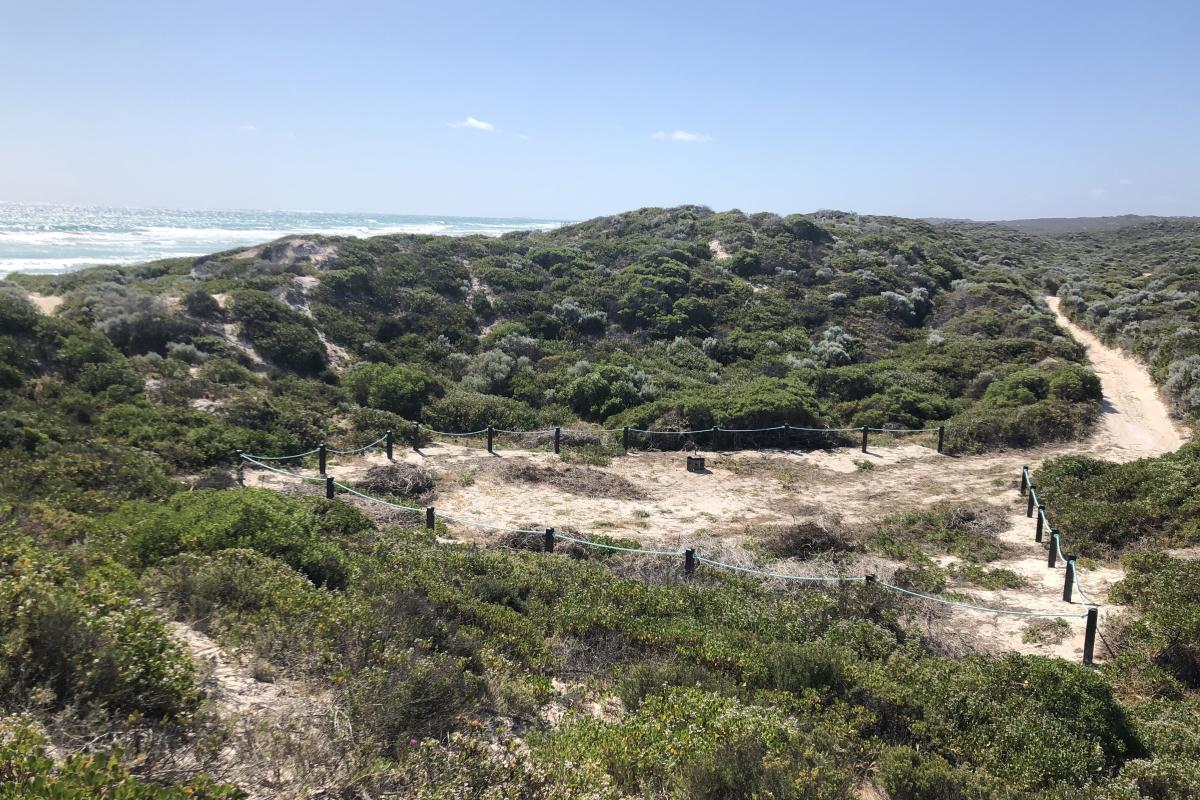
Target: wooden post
1024, 479
549, 542
321, 459
625, 439
1029, 504
390, 442
1089, 637
429, 518
557, 441
416, 436
864, 433
1037, 534
689, 562
787, 436
1052, 558
329, 488
1069, 580
241, 471
941, 438
491, 438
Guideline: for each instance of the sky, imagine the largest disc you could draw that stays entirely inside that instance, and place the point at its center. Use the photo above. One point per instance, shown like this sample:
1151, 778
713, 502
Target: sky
568, 110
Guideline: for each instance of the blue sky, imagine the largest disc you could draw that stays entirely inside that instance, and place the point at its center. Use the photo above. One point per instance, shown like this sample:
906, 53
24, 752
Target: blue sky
965, 109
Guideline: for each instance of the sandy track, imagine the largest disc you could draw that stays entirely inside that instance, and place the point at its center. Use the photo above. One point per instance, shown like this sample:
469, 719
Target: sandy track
746, 492
1135, 423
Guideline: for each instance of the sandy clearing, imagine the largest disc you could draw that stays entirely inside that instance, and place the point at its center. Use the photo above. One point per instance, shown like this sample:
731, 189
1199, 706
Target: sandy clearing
45, 303
744, 491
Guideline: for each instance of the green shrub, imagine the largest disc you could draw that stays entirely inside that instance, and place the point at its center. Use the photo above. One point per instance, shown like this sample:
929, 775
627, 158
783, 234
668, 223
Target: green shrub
460, 411
301, 532
284, 337
70, 629
27, 771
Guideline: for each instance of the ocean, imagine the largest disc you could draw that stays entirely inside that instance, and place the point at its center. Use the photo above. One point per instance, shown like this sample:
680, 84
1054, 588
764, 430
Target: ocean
49, 239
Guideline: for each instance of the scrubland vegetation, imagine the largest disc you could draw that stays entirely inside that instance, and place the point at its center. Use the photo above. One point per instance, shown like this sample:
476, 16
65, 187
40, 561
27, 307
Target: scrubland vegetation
457, 670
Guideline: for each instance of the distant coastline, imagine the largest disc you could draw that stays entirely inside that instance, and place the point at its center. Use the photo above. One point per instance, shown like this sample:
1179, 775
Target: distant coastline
51, 239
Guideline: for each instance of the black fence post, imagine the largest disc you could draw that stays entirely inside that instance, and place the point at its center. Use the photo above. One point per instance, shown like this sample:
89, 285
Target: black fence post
1031, 501
390, 441
689, 562
1069, 580
787, 436
1037, 534
430, 518
1024, 479
1052, 558
321, 459
557, 441
491, 438
625, 439
329, 488
1089, 636
864, 433
416, 436
716, 437
941, 438
549, 548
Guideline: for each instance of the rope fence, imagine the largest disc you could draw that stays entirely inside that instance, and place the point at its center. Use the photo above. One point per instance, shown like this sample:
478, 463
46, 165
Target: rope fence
783, 437
691, 558
1036, 509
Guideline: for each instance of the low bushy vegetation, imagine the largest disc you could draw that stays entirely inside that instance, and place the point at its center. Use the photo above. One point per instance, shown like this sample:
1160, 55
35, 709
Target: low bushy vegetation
447, 667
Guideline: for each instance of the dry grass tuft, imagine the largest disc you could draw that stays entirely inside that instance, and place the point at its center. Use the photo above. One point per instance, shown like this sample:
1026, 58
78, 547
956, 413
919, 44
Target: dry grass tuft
582, 481
409, 481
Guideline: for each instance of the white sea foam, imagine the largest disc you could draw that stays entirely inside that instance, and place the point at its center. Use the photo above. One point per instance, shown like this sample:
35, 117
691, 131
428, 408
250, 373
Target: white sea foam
43, 238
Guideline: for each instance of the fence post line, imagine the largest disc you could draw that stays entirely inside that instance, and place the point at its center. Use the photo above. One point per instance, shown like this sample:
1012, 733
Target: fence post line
689, 562
864, 433
787, 436
625, 439
557, 441
390, 441
549, 548
429, 518
1024, 479
1029, 504
1052, 559
941, 438
321, 459
1089, 636
241, 470
1069, 580
1037, 534
329, 487
491, 438
416, 436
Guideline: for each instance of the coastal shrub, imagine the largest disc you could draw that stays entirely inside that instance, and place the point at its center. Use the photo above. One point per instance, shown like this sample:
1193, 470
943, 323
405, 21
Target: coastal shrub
301, 532
460, 411
692, 743
70, 629
398, 389
17, 314
1106, 507
28, 770
284, 337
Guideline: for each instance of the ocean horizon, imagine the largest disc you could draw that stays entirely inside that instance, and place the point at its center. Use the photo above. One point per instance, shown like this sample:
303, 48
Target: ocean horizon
48, 239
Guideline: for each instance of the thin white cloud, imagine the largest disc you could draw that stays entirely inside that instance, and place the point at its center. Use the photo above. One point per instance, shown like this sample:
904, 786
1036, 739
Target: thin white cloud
248, 128
521, 137
680, 136
473, 124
